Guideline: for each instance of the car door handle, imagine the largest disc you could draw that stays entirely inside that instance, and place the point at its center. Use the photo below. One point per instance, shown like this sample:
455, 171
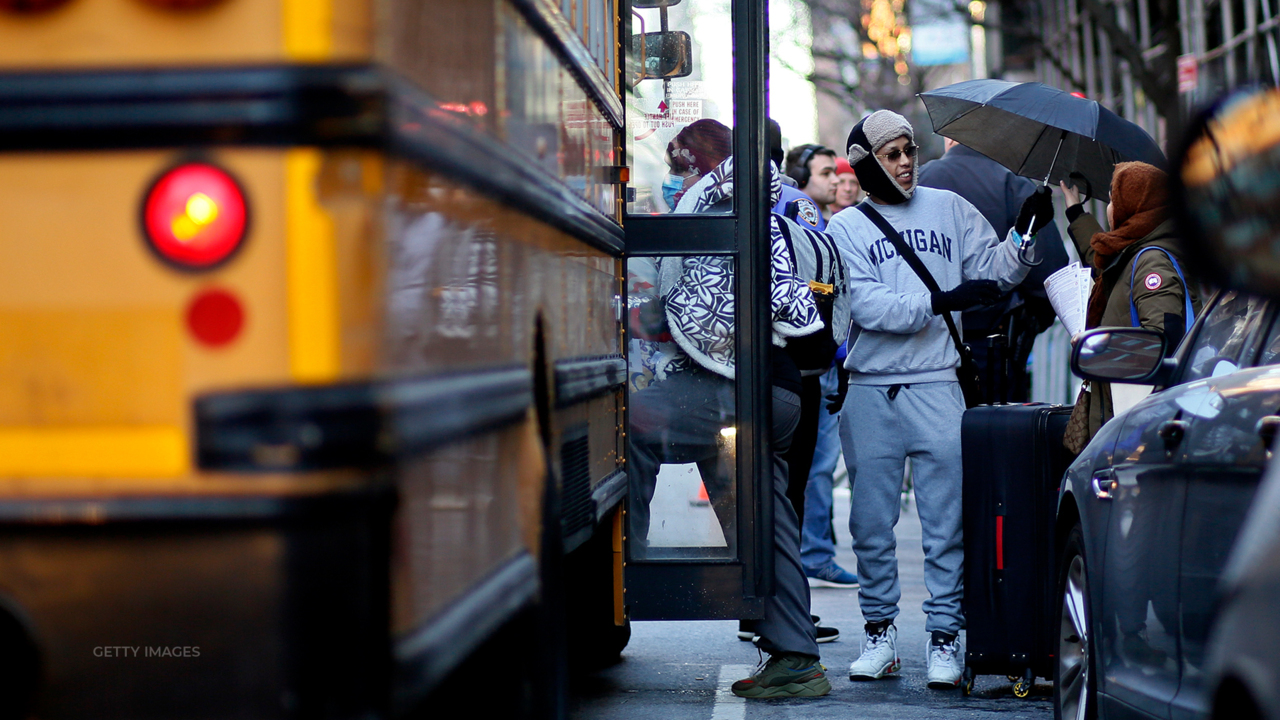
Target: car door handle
1104, 484
1172, 432
1266, 429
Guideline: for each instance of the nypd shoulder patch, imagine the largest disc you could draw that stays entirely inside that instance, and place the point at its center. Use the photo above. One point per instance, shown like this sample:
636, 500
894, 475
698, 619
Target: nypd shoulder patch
807, 211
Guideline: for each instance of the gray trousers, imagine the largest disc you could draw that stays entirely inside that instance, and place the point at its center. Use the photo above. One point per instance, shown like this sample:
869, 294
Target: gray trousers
678, 420
878, 434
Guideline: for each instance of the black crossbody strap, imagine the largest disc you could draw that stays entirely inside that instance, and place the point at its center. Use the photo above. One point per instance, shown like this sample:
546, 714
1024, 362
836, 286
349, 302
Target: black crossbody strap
818, 252
909, 254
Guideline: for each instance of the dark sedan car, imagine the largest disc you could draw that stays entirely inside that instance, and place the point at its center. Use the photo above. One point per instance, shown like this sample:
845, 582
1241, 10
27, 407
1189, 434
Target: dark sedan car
1226, 191
1244, 672
1150, 509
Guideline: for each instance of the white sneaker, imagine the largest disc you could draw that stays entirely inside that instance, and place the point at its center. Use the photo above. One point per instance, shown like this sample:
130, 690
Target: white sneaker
943, 663
879, 656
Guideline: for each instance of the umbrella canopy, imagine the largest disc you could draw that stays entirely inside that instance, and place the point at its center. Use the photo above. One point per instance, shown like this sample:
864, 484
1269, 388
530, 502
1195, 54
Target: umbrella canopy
1039, 131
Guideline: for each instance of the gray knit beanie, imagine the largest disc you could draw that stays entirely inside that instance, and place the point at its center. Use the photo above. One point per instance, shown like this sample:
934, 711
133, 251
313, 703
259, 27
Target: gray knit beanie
871, 134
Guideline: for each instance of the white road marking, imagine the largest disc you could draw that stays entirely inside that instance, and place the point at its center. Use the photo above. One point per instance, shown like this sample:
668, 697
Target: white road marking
729, 706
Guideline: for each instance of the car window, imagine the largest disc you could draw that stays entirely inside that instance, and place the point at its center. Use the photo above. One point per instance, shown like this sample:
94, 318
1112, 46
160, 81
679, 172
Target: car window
1231, 323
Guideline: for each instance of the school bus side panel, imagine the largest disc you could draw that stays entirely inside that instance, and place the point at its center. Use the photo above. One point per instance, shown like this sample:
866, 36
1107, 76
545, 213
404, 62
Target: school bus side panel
471, 283
99, 34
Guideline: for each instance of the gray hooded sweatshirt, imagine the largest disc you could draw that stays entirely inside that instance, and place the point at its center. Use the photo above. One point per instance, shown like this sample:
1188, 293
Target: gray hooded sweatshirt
896, 338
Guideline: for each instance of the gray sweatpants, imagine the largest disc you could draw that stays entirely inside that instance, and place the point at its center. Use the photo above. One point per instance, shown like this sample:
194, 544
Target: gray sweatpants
878, 434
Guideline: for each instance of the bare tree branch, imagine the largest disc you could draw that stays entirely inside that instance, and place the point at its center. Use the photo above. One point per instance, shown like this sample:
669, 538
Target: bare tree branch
841, 71
1161, 91
1044, 54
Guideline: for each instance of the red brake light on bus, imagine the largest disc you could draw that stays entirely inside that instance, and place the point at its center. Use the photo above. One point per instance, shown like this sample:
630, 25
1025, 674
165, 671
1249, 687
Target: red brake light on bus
215, 317
195, 216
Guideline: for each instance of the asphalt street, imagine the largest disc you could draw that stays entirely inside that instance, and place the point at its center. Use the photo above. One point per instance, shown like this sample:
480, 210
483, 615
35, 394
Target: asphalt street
682, 670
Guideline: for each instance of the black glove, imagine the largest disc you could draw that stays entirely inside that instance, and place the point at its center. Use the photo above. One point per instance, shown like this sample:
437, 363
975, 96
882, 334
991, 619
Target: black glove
1039, 206
835, 400
965, 296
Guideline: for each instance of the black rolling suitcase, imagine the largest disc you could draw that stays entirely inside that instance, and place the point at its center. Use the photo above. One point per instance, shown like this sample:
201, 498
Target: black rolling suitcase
1013, 464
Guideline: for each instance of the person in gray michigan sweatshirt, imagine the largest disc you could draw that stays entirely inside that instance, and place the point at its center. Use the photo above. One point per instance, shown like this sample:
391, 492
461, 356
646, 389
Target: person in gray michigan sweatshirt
903, 396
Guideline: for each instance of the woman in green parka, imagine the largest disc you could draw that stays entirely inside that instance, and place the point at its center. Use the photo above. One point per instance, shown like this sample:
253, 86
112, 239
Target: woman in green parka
1134, 268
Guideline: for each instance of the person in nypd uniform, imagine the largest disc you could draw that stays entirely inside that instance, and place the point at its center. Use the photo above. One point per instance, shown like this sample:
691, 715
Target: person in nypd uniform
903, 396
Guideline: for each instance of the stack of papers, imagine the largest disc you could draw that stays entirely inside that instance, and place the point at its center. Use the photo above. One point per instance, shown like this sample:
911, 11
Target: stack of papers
1069, 291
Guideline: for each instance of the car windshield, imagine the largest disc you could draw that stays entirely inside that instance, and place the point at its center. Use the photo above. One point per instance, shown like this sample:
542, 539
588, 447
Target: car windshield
1217, 348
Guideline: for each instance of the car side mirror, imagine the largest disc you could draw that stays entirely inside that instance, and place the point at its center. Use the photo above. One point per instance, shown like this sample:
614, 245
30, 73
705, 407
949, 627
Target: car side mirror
662, 55
1119, 355
1226, 190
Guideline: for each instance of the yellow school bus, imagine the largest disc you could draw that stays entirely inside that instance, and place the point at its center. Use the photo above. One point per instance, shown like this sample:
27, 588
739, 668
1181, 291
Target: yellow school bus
310, 354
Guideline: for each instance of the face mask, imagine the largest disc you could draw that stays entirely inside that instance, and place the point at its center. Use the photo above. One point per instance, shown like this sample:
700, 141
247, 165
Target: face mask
670, 186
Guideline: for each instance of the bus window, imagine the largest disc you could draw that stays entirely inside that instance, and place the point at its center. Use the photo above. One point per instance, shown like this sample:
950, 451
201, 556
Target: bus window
679, 130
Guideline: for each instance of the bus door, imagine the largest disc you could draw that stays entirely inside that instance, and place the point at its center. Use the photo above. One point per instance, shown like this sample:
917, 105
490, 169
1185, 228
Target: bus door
698, 331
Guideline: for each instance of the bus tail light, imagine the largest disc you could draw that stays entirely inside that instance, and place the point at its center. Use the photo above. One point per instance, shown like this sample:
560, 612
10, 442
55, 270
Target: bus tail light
195, 216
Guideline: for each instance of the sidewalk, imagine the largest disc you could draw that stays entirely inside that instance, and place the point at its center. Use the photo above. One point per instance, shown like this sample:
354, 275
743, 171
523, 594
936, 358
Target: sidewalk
671, 669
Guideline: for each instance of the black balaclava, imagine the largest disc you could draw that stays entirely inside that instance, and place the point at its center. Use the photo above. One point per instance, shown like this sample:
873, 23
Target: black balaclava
866, 139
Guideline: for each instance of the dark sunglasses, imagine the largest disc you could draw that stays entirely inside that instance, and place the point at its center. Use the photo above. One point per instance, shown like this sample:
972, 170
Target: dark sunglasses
893, 155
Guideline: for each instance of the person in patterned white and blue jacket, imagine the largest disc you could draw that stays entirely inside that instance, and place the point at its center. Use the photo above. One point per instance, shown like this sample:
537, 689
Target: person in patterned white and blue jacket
682, 416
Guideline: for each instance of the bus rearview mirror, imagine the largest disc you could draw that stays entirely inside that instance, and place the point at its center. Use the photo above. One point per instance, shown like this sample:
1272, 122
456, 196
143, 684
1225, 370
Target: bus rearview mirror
662, 55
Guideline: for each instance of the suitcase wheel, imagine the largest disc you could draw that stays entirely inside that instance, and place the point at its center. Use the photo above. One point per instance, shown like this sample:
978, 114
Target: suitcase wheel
1022, 685
966, 681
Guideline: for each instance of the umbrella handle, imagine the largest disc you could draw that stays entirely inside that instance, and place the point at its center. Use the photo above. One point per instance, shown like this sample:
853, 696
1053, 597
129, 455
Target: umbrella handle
1088, 186
1022, 252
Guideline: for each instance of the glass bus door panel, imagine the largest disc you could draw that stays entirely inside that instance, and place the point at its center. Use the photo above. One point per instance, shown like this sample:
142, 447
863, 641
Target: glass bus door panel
682, 459
679, 106
699, 544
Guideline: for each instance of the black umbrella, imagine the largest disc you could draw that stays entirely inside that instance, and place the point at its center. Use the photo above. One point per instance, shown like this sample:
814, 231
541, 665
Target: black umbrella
1039, 131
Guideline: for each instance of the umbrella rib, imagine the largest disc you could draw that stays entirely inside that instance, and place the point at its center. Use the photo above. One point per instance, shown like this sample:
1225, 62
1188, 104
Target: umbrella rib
1044, 128
977, 106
